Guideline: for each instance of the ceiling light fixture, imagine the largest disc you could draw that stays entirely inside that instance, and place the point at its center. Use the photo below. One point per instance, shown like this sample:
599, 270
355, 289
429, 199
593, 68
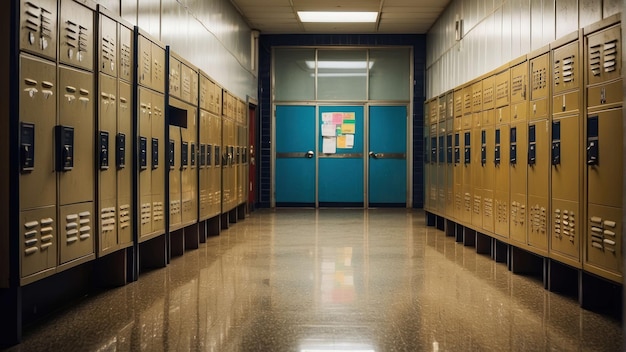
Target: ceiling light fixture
337, 16
339, 65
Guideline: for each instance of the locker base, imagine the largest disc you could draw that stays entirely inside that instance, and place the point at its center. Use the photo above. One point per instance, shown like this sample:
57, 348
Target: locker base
177, 243
563, 279
11, 317
601, 296
431, 218
110, 270
224, 220
458, 233
440, 223
153, 253
232, 216
469, 237
500, 251
483, 244
450, 227
213, 226
241, 211
202, 231
192, 236
526, 263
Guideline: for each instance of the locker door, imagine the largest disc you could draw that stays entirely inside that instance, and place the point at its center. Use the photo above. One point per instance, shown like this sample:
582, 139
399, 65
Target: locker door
441, 168
157, 162
203, 174
501, 160
539, 151
468, 187
174, 157
604, 192
295, 156
38, 218
214, 163
144, 148
566, 181
75, 163
124, 161
488, 175
341, 174
458, 176
476, 170
387, 157
107, 187
190, 174
518, 151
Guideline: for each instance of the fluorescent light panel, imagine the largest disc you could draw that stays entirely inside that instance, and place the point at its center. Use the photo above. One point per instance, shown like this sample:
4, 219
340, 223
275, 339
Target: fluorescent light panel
337, 16
339, 65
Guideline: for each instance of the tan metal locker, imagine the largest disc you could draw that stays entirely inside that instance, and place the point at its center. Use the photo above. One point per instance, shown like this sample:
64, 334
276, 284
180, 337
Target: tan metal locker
518, 211
158, 73
189, 177
427, 156
432, 168
174, 166
125, 55
157, 164
107, 170
76, 35
215, 152
604, 149
108, 46
144, 61
144, 102
502, 89
457, 166
539, 151
519, 92
487, 166
566, 220
441, 167
204, 162
175, 78
38, 27
449, 158
501, 157
38, 217
476, 168
124, 162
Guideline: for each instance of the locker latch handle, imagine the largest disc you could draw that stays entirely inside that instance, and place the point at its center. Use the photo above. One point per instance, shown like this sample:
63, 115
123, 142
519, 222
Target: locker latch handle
603, 96
483, 155
592, 152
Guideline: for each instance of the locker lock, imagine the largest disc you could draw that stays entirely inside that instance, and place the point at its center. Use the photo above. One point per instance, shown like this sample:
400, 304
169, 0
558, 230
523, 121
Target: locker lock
309, 154
592, 141
27, 147
65, 148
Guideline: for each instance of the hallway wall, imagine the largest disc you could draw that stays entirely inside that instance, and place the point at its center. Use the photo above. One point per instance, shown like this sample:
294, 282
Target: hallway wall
210, 34
496, 31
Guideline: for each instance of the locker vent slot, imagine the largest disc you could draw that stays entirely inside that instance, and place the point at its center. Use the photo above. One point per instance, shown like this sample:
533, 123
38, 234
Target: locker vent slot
540, 79
502, 90
595, 59
488, 95
538, 219
124, 216
610, 56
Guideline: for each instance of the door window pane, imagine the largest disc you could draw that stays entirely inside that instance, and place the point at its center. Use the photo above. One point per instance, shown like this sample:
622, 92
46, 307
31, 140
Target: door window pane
342, 75
389, 74
294, 72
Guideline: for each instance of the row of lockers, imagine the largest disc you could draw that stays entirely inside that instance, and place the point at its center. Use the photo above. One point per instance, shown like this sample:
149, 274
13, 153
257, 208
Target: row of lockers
531, 153
121, 140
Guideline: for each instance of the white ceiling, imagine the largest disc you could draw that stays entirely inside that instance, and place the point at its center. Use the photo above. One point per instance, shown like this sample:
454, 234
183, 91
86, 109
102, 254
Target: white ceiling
396, 16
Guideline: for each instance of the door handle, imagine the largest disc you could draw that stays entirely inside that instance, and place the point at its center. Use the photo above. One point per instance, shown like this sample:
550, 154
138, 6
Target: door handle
309, 154
375, 155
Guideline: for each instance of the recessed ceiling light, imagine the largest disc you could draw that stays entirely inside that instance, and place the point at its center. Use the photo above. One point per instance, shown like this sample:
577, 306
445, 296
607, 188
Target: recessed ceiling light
337, 16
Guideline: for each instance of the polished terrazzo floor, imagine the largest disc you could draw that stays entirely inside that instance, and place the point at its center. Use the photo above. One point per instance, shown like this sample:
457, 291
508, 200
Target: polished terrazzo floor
328, 280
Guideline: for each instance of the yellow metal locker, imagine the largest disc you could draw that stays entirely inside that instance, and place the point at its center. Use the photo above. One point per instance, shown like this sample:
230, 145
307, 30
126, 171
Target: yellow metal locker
38, 27
75, 166
604, 149
518, 152
157, 163
107, 177
458, 167
539, 151
175, 156
144, 102
76, 33
449, 158
38, 217
124, 160
501, 153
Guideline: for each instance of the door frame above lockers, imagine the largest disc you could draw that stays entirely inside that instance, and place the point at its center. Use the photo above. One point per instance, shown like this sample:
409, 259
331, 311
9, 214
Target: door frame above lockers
365, 142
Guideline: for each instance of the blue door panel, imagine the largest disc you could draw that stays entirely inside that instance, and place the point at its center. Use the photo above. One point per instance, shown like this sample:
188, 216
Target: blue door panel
294, 173
342, 181
387, 136
341, 176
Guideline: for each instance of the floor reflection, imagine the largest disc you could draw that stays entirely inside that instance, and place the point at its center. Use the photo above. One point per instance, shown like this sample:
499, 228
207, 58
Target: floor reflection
328, 280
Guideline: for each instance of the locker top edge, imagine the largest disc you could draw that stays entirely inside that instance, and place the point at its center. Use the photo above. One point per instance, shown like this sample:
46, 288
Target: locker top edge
538, 52
566, 39
92, 5
182, 60
147, 35
607, 22
102, 10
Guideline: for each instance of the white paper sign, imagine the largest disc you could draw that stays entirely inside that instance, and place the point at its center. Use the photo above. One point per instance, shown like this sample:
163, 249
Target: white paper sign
329, 130
329, 145
349, 141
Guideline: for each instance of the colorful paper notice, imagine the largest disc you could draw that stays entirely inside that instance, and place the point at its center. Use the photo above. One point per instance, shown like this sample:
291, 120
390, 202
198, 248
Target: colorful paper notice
329, 130
349, 141
341, 141
348, 126
327, 117
329, 145
337, 118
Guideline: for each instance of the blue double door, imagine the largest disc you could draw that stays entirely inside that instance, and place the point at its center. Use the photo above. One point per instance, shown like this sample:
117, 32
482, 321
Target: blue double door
325, 156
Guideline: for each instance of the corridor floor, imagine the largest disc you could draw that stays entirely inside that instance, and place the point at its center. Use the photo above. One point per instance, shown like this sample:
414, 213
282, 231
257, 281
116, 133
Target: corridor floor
328, 280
